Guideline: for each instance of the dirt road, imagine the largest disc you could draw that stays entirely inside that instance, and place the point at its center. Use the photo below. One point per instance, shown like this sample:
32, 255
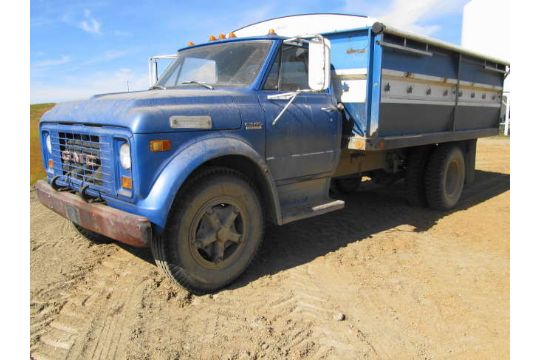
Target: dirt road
378, 280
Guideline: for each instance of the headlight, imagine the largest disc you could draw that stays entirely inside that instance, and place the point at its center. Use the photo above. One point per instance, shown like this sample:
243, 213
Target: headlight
125, 156
48, 143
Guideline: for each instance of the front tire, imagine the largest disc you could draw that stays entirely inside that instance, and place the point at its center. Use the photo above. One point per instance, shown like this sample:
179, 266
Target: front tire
445, 177
215, 230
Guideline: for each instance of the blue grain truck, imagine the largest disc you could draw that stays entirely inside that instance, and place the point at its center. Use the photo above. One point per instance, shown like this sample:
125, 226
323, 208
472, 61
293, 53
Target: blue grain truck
259, 126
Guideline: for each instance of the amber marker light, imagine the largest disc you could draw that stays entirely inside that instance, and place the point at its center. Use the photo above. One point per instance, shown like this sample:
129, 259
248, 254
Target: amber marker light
221, 36
271, 32
126, 182
50, 163
231, 35
212, 38
190, 43
160, 145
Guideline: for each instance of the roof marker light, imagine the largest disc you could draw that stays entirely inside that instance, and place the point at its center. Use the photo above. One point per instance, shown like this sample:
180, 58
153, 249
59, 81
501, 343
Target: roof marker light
190, 43
271, 32
212, 38
221, 36
231, 35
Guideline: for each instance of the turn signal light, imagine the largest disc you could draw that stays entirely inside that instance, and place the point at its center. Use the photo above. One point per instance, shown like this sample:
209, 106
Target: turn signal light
126, 182
212, 38
160, 145
51, 163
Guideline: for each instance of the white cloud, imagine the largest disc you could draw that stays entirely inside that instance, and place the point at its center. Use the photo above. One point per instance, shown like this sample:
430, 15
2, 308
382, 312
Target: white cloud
64, 59
90, 24
42, 68
105, 57
408, 15
82, 87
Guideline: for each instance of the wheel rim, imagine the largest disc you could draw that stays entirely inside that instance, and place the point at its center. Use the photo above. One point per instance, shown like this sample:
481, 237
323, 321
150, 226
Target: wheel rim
217, 234
453, 177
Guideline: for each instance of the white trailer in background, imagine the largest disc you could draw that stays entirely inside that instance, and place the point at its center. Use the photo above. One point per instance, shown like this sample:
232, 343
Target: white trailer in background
485, 29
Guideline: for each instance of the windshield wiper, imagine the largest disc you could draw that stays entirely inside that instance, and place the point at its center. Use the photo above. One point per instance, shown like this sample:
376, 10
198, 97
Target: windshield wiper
161, 87
202, 83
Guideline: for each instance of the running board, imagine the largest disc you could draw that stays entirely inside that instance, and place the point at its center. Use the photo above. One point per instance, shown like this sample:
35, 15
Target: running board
299, 213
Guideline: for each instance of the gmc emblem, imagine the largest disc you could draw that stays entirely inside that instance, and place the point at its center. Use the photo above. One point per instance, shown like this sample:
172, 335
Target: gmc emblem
80, 158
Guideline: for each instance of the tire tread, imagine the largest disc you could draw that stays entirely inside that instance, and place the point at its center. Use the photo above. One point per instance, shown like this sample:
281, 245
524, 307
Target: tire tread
434, 172
158, 245
414, 176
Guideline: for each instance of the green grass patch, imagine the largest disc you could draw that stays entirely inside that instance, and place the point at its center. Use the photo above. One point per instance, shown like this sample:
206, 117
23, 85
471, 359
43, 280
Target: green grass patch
36, 163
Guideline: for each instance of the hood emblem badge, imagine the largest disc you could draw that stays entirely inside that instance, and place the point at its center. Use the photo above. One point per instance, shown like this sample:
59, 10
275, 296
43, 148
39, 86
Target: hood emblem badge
190, 122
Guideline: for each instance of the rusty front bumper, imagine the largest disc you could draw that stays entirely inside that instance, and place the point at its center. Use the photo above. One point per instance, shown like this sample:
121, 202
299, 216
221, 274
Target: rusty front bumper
116, 224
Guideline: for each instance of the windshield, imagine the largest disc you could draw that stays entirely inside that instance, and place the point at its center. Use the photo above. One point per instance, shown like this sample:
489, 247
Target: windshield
227, 64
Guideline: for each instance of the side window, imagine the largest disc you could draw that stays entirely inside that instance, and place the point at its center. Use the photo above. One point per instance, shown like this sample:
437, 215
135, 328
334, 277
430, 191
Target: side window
272, 79
292, 74
294, 68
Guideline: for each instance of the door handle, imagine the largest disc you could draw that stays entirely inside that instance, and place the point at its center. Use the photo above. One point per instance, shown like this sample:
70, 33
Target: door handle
329, 109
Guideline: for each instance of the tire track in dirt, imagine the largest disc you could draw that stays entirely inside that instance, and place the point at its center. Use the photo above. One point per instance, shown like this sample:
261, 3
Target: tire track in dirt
311, 294
60, 260
309, 309
94, 322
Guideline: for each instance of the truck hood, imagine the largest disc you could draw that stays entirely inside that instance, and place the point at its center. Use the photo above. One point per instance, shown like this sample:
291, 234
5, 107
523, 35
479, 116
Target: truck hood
149, 111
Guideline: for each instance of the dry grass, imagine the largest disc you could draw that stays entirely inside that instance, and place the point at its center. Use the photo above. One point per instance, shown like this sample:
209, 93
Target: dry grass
36, 163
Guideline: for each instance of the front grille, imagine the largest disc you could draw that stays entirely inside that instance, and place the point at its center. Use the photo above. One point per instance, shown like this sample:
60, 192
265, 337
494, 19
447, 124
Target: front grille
84, 159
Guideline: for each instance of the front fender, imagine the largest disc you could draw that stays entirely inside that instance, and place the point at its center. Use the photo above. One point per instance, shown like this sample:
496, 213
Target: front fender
157, 204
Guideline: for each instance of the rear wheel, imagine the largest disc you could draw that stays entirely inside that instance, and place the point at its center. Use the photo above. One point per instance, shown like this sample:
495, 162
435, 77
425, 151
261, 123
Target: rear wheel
348, 185
414, 176
445, 176
214, 232
90, 235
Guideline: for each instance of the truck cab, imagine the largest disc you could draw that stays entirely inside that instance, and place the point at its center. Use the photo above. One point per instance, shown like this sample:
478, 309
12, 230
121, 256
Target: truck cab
237, 132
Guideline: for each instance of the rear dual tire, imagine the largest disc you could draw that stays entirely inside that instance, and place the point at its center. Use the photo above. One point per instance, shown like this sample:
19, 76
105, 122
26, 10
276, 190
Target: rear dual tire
445, 177
435, 178
414, 176
348, 185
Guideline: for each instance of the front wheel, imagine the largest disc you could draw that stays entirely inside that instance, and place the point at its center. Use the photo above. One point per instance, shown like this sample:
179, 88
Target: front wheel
214, 231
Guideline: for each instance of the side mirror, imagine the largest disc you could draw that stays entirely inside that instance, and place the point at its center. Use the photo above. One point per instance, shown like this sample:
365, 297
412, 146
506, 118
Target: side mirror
153, 71
319, 63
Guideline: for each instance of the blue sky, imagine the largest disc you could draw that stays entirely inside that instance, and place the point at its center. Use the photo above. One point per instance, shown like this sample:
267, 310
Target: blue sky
79, 48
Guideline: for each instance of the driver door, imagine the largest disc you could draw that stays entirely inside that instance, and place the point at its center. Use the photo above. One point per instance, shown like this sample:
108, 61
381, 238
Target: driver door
305, 140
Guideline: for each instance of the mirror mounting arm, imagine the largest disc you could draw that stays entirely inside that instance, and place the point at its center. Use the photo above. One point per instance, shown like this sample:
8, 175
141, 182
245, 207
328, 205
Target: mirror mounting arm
290, 96
285, 108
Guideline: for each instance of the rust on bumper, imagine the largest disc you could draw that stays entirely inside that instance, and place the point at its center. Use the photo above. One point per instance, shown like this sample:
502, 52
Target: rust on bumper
116, 224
